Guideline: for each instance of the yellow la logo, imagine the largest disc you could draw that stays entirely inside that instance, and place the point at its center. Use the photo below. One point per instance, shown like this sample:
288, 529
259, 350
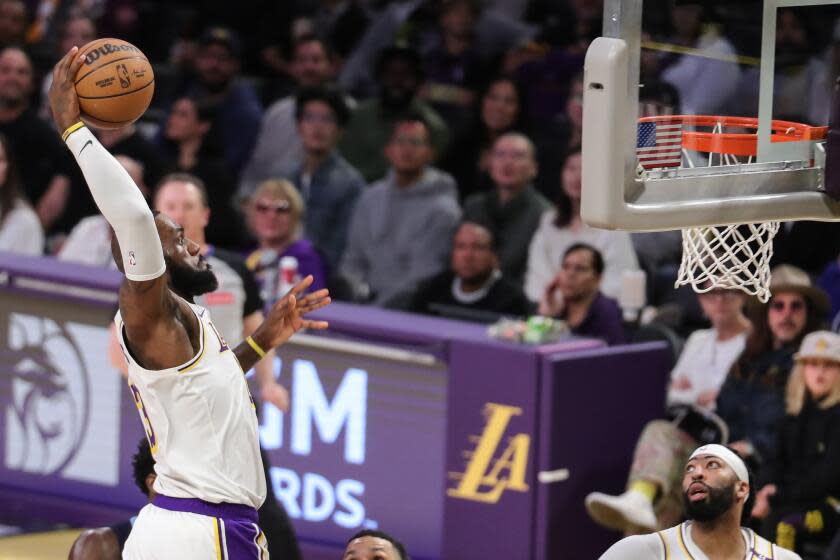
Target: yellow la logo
482, 480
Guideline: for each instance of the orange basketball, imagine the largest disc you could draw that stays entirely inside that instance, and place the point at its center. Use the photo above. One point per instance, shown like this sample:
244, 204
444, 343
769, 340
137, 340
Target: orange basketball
114, 84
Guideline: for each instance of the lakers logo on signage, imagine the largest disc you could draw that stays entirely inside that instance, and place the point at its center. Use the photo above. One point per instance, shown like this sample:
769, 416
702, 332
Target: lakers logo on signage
497, 463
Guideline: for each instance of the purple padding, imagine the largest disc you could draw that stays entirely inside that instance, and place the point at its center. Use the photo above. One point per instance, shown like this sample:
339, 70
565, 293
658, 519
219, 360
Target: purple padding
832, 149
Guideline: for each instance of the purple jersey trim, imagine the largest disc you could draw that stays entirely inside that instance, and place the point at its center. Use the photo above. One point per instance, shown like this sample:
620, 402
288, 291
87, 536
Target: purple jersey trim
235, 512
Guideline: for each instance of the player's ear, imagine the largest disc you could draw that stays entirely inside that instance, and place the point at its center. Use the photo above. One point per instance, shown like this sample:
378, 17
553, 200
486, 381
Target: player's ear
150, 480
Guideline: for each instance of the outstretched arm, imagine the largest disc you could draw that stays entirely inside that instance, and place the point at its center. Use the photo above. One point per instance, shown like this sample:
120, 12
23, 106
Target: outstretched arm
284, 320
147, 307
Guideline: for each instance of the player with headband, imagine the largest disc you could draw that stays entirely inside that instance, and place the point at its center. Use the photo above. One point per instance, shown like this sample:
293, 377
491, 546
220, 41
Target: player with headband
717, 497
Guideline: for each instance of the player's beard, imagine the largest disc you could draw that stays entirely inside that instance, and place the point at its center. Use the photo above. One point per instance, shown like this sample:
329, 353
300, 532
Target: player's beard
717, 502
191, 282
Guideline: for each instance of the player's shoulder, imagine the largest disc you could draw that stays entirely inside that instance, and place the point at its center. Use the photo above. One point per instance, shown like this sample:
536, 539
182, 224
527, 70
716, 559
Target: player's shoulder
638, 546
780, 553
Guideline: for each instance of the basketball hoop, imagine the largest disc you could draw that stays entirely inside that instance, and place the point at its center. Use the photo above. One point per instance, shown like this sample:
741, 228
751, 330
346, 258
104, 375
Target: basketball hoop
728, 256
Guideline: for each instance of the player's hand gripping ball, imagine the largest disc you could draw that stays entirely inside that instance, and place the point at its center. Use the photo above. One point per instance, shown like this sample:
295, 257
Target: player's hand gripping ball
114, 84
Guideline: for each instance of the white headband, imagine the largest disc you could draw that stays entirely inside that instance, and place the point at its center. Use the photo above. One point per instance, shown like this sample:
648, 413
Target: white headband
728, 457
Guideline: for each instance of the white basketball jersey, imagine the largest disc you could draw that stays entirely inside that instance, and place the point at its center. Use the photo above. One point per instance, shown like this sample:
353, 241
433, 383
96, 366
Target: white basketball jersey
678, 545
201, 422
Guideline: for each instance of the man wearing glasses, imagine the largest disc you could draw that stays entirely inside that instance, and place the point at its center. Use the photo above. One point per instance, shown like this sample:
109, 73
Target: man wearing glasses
513, 209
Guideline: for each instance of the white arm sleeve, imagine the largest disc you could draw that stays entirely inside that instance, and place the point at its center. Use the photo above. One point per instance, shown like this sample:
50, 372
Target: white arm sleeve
121, 203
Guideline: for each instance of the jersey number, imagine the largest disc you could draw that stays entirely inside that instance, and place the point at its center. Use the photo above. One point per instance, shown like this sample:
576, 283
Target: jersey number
147, 424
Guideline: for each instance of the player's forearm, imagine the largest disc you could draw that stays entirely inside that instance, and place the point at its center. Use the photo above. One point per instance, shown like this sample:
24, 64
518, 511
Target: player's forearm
250, 352
121, 203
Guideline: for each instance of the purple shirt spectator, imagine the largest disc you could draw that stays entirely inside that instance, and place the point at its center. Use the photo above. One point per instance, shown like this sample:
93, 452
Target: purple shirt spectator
603, 320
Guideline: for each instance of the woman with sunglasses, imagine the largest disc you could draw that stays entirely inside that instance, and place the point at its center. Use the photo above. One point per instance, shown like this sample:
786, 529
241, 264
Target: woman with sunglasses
800, 486
275, 218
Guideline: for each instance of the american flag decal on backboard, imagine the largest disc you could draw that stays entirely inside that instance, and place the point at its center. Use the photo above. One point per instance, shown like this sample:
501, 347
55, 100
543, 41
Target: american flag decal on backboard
659, 144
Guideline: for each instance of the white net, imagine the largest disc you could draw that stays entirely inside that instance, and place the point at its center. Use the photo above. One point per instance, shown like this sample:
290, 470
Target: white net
728, 257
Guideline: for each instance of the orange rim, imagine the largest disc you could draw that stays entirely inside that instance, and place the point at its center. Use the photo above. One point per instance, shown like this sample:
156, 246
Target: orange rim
736, 143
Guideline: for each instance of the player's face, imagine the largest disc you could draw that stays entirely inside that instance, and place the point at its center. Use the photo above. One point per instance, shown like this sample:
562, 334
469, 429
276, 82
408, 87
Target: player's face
189, 273
571, 176
370, 548
820, 375
311, 65
472, 255
512, 164
409, 150
787, 314
181, 201
500, 106
710, 488
15, 76
318, 128
577, 277
272, 219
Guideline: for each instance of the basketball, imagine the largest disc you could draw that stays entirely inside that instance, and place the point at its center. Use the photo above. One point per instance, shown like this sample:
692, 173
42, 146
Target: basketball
114, 84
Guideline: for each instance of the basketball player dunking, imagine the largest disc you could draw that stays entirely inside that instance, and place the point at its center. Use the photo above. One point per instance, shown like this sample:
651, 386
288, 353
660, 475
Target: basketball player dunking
188, 384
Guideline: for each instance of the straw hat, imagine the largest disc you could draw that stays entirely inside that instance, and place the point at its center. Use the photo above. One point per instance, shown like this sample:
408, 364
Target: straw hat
787, 278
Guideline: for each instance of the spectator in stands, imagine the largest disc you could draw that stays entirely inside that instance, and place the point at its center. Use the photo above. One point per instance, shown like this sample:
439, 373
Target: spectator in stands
401, 229
238, 109
750, 403
474, 283
454, 69
513, 208
370, 544
44, 163
278, 152
562, 226
192, 149
574, 295
236, 308
399, 73
499, 112
78, 30
20, 229
89, 242
799, 484
13, 20
329, 185
276, 215
720, 78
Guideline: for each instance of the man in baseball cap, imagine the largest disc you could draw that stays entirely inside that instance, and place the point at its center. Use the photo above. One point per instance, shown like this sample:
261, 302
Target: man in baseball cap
717, 496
